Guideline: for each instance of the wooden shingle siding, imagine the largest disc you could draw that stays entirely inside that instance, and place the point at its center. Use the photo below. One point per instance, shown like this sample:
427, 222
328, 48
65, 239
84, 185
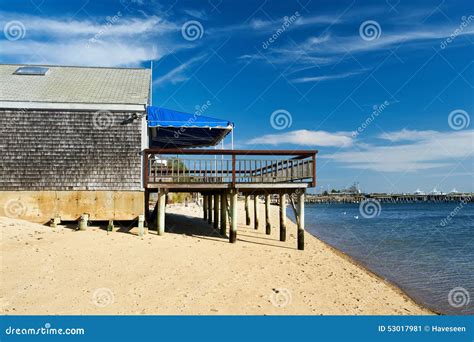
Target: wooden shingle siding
59, 150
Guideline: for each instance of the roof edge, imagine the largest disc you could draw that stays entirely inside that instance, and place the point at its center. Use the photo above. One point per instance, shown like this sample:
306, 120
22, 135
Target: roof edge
73, 106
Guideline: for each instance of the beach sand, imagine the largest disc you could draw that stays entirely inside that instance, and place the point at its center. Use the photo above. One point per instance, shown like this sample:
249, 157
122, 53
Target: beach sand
190, 270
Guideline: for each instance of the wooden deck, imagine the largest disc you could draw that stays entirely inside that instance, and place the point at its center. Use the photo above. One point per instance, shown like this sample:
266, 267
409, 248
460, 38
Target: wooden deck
221, 175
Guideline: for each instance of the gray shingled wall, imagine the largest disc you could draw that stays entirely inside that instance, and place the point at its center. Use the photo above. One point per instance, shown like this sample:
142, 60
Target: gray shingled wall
55, 150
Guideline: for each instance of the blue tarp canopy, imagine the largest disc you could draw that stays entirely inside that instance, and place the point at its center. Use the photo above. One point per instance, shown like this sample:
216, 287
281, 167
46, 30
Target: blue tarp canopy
171, 129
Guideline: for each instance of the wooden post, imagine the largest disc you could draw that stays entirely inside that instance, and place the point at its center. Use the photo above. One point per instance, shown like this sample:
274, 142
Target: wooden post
83, 222
204, 207
268, 227
255, 211
209, 209
147, 205
233, 217
111, 226
216, 210
223, 213
247, 211
141, 225
282, 217
161, 212
301, 220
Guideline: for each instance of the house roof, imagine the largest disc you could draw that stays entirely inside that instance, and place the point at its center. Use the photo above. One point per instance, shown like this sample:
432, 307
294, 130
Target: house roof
75, 87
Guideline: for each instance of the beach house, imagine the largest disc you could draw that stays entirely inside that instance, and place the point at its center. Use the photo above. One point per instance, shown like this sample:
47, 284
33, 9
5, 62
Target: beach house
66, 145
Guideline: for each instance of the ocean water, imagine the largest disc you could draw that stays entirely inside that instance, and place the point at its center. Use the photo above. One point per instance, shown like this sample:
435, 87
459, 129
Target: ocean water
415, 246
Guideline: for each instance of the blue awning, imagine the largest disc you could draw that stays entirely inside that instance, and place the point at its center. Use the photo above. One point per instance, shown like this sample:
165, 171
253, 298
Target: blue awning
177, 129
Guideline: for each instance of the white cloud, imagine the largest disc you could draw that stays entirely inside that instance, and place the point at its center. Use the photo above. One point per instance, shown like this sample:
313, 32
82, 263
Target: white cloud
426, 150
407, 135
306, 138
79, 52
115, 40
324, 77
200, 14
177, 74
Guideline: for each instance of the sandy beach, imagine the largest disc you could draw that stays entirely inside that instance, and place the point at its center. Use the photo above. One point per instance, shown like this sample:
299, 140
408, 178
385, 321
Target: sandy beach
190, 270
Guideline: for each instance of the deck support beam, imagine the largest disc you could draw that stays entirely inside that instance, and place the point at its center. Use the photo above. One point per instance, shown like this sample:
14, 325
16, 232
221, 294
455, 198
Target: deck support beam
204, 207
268, 226
233, 217
223, 213
209, 209
300, 220
282, 216
255, 210
216, 210
247, 212
161, 212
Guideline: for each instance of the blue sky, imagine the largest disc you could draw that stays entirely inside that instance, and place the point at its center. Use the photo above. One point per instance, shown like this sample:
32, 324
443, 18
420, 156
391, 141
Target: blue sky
383, 89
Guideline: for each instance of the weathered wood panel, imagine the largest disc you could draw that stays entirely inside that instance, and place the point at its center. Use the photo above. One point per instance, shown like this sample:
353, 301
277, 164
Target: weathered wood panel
58, 150
41, 206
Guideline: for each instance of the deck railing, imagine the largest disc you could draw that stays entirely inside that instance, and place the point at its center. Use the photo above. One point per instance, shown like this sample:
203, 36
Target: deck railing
229, 166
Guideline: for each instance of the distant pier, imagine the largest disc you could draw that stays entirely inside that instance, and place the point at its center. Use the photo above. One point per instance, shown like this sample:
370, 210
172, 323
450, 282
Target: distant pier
390, 198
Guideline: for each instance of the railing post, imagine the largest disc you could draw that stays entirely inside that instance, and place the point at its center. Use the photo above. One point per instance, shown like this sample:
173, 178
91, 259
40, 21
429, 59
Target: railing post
233, 170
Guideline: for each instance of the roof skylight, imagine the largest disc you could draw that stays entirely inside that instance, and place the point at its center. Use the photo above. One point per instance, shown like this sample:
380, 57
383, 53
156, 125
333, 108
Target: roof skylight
31, 70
